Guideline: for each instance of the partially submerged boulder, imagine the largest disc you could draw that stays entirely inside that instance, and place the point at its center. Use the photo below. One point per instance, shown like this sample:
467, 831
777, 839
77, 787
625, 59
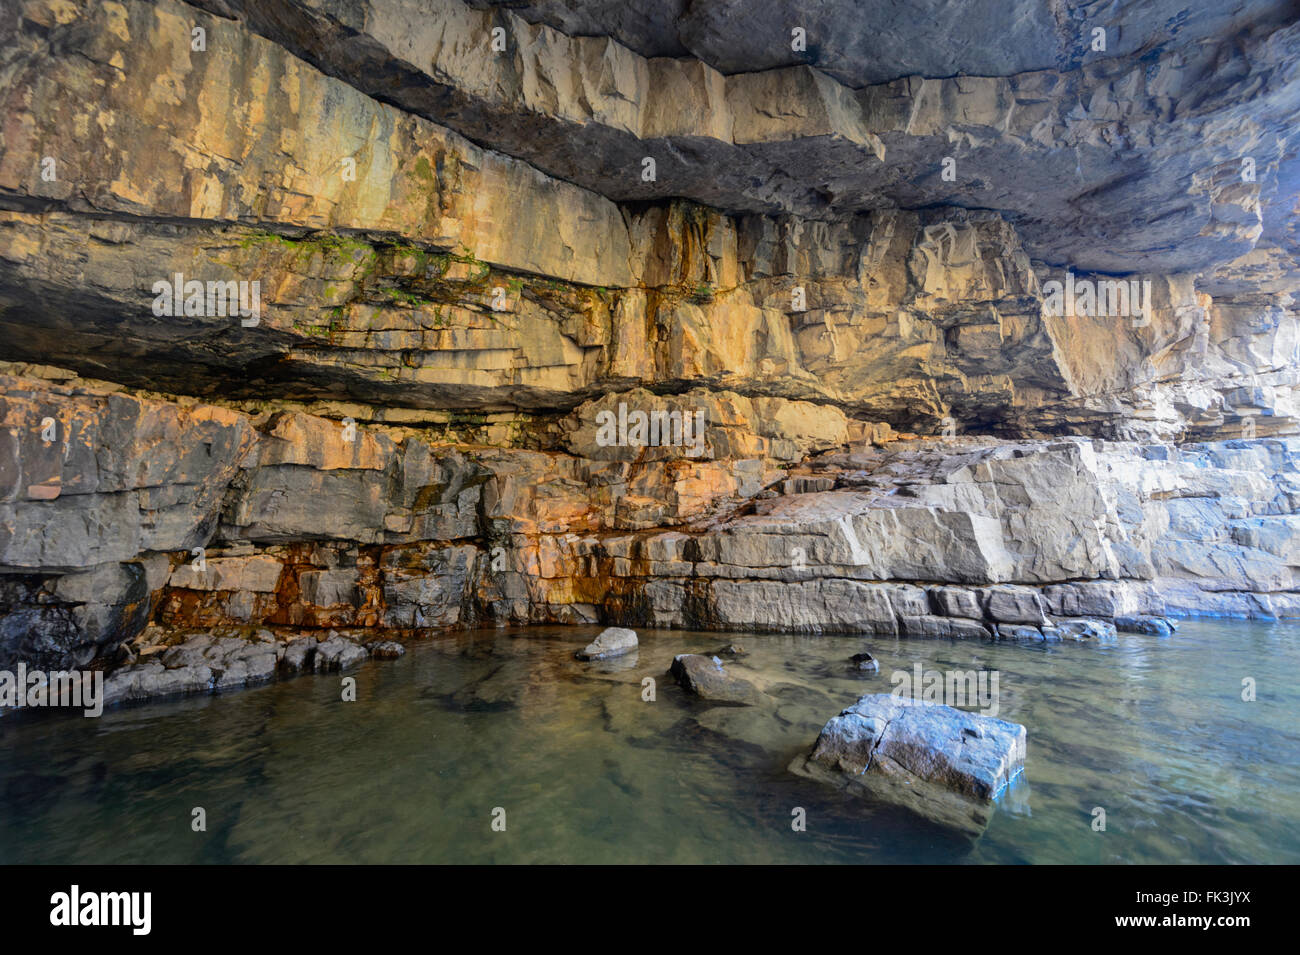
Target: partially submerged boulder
1083, 628
612, 642
944, 764
731, 650
706, 678
1143, 623
337, 653
1022, 633
864, 661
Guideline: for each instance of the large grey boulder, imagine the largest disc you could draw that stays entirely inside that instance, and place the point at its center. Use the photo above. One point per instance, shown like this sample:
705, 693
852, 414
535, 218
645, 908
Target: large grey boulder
612, 642
939, 762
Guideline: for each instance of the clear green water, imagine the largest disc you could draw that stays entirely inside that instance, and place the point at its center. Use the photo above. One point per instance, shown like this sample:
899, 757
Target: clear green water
1152, 730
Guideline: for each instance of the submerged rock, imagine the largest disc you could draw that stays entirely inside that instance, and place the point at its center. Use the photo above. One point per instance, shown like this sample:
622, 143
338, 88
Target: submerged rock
706, 678
612, 642
1155, 626
205, 663
864, 661
942, 763
1084, 629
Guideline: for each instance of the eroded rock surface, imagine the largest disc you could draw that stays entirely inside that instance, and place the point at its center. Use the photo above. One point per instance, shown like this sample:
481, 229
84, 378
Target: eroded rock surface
802, 373
944, 764
206, 663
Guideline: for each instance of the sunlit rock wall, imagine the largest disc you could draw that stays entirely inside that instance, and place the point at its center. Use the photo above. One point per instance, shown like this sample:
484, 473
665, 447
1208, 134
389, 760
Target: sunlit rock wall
1014, 333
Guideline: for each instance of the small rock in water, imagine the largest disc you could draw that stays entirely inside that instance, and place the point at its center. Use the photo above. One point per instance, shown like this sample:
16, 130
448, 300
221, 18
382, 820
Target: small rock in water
708, 679
1085, 628
1142, 623
297, 655
864, 661
386, 650
612, 642
337, 653
1018, 633
731, 650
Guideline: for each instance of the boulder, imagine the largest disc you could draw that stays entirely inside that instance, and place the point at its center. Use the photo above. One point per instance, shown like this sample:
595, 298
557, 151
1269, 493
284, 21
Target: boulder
337, 653
1019, 633
1085, 629
297, 655
1137, 623
706, 678
943, 764
1016, 605
865, 662
612, 642
956, 602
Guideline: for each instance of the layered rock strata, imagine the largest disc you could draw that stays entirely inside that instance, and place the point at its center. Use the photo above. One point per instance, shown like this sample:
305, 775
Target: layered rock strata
330, 315
139, 510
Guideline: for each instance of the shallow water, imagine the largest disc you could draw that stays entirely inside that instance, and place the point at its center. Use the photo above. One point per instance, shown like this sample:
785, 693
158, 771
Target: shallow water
1154, 731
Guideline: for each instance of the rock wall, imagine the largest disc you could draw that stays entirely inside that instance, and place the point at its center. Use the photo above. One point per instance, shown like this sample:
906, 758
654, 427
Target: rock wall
128, 517
465, 278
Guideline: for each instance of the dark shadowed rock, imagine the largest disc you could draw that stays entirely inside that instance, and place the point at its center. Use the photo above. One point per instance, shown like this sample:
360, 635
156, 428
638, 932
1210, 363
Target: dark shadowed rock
297, 655
1155, 626
731, 650
864, 661
707, 679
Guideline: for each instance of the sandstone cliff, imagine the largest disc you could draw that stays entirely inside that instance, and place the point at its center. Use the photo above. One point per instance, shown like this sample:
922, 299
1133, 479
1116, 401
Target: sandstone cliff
847, 266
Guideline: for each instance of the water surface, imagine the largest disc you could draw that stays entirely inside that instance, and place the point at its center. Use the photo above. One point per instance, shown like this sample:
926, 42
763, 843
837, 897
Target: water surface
1152, 730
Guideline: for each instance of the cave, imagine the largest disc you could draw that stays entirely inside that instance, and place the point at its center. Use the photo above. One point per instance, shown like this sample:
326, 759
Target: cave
485, 363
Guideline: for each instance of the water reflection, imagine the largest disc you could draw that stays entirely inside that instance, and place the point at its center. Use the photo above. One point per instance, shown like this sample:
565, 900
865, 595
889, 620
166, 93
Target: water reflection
1152, 730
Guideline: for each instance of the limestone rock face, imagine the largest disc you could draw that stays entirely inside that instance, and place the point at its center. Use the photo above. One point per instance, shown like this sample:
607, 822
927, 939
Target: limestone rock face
388, 315
280, 522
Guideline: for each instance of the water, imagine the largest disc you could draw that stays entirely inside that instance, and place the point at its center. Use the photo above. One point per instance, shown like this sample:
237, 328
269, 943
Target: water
1153, 731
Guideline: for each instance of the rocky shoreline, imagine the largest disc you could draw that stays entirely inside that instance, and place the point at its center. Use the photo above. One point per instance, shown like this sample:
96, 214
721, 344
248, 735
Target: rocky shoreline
183, 516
